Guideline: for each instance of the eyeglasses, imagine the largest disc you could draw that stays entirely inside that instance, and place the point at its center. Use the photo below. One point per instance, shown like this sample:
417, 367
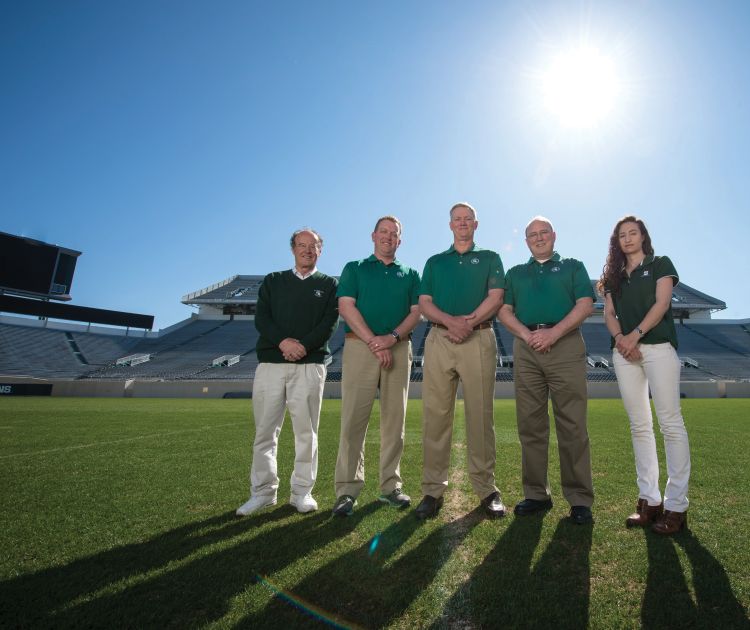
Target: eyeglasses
541, 233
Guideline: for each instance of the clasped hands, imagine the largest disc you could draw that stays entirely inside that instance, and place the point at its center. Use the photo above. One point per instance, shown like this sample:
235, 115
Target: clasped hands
292, 349
458, 328
541, 340
627, 346
380, 346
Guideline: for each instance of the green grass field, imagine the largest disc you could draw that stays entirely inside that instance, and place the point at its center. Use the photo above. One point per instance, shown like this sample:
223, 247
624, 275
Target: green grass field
120, 513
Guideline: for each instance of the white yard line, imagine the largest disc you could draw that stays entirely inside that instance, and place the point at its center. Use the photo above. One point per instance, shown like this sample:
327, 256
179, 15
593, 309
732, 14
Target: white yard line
130, 439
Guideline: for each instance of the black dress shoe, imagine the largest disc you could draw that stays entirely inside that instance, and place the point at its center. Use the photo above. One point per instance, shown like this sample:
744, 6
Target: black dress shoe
493, 506
429, 507
581, 515
531, 506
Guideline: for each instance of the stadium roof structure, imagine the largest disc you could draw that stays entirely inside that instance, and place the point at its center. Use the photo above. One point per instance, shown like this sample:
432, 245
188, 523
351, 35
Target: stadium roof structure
685, 301
239, 289
243, 290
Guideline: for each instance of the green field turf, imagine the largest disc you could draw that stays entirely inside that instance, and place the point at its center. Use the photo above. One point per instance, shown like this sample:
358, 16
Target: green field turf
120, 513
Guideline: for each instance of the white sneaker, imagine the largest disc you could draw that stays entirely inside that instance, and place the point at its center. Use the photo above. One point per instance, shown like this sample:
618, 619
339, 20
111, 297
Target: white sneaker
257, 502
304, 503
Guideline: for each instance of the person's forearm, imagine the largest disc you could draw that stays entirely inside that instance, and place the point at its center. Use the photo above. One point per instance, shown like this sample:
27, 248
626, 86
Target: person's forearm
432, 312
575, 317
355, 321
512, 323
489, 307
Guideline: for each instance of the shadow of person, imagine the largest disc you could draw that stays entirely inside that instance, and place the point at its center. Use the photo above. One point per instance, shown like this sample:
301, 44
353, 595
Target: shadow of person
505, 591
666, 599
364, 587
32, 598
198, 591
495, 586
559, 586
716, 605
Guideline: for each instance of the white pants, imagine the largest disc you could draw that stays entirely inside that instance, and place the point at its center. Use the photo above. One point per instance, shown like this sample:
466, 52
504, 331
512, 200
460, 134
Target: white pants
278, 386
659, 369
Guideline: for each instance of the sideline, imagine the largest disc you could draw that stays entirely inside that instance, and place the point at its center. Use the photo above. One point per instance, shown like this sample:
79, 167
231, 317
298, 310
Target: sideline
130, 439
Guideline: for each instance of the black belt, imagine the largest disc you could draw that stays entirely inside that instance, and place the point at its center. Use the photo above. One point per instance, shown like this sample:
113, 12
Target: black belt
540, 326
481, 326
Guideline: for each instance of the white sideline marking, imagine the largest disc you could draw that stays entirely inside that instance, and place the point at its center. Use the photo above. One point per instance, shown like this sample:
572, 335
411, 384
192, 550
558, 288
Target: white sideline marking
130, 439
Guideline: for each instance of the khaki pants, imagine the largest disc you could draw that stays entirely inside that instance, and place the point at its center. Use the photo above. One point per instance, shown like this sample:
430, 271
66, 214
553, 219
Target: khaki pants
472, 362
362, 378
277, 386
560, 375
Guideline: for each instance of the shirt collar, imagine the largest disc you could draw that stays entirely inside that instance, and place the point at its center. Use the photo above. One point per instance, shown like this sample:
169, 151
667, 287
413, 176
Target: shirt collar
646, 261
452, 249
305, 276
374, 259
555, 257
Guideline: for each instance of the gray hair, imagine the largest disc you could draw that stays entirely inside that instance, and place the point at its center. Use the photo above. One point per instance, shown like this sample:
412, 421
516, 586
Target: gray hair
463, 204
317, 236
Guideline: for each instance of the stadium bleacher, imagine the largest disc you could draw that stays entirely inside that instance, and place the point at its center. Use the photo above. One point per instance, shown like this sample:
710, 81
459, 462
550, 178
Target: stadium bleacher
709, 349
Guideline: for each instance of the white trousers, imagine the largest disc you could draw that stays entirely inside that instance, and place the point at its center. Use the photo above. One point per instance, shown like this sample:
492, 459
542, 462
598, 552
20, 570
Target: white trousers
278, 386
659, 370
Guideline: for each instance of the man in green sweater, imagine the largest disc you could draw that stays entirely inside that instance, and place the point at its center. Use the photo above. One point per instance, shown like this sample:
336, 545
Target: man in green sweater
296, 315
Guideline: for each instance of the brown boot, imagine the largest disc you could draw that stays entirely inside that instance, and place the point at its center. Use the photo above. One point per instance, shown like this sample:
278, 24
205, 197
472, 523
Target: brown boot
670, 523
644, 515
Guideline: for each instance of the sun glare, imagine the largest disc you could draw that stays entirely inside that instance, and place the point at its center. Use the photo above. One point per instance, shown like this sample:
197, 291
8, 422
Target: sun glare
580, 88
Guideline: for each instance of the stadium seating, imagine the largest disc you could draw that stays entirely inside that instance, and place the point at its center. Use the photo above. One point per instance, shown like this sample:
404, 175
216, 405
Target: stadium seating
709, 350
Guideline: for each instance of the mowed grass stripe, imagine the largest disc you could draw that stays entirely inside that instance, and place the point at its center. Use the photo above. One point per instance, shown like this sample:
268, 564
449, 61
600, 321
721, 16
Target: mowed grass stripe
141, 532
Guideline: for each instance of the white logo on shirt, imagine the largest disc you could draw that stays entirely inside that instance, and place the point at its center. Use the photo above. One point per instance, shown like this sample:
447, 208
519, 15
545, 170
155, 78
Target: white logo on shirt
318, 293
645, 273
554, 269
400, 274
475, 261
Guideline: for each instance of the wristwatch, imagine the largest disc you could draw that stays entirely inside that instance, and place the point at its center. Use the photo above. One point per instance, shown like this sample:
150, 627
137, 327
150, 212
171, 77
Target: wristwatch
640, 332
395, 335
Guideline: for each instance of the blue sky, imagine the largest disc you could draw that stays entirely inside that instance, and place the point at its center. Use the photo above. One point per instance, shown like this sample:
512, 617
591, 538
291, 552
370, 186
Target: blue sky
179, 143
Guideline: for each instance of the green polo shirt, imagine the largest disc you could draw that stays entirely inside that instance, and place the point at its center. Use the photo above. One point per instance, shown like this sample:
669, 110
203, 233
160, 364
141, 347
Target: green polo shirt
458, 283
544, 293
638, 295
384, 293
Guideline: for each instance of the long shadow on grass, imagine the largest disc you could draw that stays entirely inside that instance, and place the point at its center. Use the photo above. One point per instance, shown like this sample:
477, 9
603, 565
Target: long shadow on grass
200, 590
504, 591
667, 601
33, 598
361, 588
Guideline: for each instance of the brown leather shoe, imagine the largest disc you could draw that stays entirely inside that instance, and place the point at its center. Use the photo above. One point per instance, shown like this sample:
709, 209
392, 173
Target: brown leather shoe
670, 523
644, 514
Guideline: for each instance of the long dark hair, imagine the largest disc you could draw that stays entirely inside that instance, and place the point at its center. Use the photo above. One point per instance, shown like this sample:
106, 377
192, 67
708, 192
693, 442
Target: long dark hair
612, 271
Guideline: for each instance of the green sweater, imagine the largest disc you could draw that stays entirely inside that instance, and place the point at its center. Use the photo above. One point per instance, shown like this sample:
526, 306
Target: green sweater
306, 310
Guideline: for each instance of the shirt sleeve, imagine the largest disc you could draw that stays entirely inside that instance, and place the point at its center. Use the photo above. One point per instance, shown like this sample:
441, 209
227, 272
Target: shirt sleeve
509, 298
414, 288
425, 288
663, 267
497, 273
323, 330
581, 283
348, 284
264, 322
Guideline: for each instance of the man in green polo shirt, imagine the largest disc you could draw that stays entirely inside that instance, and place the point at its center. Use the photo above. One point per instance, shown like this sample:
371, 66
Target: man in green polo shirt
378, 300
546, 301
461, 290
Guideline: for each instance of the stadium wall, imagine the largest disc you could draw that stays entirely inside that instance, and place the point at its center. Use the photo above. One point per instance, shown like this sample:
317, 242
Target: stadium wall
242, 389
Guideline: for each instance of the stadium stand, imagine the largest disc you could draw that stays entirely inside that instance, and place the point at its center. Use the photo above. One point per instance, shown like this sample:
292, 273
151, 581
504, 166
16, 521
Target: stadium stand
711, 350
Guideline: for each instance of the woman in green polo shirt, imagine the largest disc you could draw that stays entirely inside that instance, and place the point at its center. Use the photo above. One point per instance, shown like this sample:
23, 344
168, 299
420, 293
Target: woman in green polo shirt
637, 287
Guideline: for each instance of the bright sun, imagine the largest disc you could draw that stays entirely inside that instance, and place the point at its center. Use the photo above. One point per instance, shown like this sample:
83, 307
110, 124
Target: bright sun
581, 88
